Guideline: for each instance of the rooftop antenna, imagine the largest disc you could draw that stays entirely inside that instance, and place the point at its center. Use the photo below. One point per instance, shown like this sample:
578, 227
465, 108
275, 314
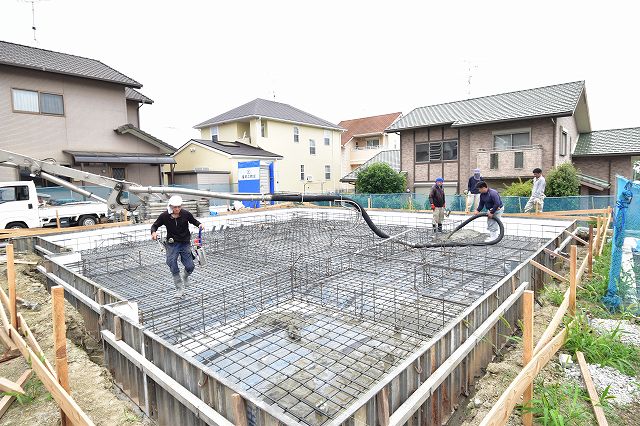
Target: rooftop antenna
33, 16
470, 67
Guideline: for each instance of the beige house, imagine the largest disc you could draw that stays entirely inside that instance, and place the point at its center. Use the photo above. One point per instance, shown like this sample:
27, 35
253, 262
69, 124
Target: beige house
505, 135
365, 138
213, 166
308, 145
78, 112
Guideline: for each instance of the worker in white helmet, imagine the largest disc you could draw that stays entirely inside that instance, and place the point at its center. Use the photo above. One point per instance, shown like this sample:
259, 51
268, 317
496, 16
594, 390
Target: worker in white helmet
178, 243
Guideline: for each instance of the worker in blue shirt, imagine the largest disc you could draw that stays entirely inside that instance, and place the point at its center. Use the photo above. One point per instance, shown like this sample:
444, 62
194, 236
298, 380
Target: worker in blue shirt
472, 192
490, 199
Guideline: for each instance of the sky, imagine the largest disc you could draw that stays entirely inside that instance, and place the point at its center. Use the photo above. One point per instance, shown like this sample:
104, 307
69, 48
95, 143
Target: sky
342, 59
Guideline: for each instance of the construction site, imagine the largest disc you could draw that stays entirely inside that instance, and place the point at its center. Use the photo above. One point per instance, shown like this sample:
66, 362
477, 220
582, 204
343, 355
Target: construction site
302, 315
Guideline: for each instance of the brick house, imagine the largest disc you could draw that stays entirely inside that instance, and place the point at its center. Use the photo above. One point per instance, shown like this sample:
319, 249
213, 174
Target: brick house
505, 135
601, 155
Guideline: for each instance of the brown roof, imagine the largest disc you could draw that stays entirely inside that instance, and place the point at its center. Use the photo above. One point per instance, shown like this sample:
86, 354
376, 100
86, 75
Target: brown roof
367, 125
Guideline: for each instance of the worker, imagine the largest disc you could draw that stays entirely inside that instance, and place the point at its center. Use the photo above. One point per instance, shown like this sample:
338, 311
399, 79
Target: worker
490, 199
177, 220
537, 192
438, 203
473, 195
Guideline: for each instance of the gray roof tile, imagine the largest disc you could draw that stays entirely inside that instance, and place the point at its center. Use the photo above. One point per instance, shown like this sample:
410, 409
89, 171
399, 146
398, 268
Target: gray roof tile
611, 142
390, 157
134, 95
21, 56
236, 148
268, 109
549, 101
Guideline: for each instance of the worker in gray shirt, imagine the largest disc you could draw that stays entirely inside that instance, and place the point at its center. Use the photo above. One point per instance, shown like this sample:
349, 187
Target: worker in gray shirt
537, 193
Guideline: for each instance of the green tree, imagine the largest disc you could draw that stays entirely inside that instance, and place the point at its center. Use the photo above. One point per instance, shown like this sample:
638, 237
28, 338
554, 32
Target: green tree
518, 189
562, 181
380, 178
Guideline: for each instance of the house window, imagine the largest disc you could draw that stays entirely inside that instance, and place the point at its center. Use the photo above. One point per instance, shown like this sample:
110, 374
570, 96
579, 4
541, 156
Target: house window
373, 143
312, 147
437, 151
327, 172
263, 128
214, 133
493, 161
296, 135
301, 171
327, 137
37, 102
511, 140
563, 144
117, 173
518, 160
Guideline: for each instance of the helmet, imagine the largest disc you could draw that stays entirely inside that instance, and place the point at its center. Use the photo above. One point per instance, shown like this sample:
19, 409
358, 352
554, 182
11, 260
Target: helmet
175, 201
439, 179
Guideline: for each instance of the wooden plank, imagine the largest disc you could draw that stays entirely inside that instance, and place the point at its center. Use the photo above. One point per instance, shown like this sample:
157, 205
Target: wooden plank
6, 340
6, 400
604, 232
382, 403
590, 254
566, 212
548, 271
60, 343
575, 237
501, 410
7, 385
593, 395
164, 381
11, 283
598, 234
117, 327
554, 254
64, 400
527, 352
573, 276
12, 233
553, 324
33, 344
19, 262
405, 411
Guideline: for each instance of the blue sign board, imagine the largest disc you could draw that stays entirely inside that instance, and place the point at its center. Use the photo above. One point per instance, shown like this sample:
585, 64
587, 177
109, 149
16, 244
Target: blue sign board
249, 180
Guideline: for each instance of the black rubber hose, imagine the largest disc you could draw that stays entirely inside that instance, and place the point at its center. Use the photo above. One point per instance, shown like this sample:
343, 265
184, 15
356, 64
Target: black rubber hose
380, 233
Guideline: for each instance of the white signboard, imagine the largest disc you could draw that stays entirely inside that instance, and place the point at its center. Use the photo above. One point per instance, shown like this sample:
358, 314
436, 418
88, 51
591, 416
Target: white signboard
249, 173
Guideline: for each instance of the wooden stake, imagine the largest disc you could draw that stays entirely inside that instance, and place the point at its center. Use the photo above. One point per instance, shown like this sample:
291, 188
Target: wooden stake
239, 410
590, 254
573, 258
7, 385
593, 395
382, 402
57, 219
60, 342
527, 352
11, 282
6, 401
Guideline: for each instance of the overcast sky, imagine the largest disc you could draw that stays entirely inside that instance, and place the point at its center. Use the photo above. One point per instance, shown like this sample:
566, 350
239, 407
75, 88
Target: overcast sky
342, 59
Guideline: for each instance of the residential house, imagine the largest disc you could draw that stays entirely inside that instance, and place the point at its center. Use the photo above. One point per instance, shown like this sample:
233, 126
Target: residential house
390, 157
309, 146
78, 112
505, 135
603, 154
214, 165
364, 138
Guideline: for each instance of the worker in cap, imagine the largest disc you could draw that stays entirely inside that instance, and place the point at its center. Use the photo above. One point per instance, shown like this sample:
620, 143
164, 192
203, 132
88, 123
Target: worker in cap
438, 203
178, 243
472, 192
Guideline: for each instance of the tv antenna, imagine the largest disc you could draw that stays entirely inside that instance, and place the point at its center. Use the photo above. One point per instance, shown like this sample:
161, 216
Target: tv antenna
470, 67
33, 16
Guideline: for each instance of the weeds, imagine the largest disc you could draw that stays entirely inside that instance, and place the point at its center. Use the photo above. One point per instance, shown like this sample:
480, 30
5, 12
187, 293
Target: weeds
554, 295
560, 405
32, 389
602, 348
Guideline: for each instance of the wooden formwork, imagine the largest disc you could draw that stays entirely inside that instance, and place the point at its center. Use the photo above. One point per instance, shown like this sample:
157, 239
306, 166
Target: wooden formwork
424, 390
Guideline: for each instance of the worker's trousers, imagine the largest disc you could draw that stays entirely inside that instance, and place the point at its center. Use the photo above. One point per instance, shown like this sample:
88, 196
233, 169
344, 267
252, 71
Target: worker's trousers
492, 225
183, 250
473, 200
438, 215
532, 203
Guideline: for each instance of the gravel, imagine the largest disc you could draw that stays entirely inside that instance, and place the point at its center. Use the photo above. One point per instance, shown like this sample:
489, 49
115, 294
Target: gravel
629, 333
625, 389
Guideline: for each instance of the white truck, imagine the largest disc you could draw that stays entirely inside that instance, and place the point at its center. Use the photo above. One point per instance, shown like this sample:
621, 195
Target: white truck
20, 208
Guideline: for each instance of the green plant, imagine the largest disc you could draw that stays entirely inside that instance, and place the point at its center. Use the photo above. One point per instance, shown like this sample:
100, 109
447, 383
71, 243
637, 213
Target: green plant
554, 295
562, 181
32, 389
380, 178
559, 405
601, 348
518, 189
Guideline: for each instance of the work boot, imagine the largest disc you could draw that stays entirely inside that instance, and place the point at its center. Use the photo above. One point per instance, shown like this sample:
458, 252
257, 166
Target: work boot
439, 227
185, 278
179, 286
434, 229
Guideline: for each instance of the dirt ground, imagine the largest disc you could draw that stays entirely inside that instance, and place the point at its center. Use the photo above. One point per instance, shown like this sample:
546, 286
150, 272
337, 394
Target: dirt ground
91, 384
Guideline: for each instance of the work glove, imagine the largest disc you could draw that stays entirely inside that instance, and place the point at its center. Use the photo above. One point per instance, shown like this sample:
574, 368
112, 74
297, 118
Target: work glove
433, 206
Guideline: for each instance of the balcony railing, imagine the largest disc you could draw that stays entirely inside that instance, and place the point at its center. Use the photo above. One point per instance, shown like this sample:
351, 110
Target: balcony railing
512, 162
